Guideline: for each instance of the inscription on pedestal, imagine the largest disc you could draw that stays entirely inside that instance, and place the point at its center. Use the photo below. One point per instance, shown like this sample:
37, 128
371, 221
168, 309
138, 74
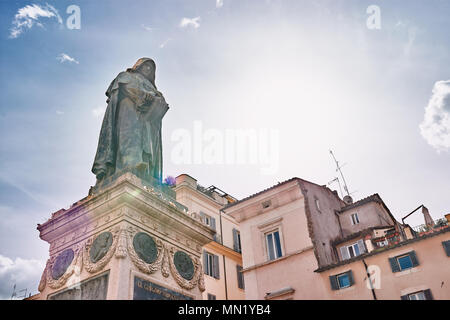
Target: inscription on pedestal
91, 289
146, 290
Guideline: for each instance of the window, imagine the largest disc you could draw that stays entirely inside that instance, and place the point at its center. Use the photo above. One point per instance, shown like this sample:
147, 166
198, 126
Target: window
273, 245
404, 262
354, 218
266, 204
211, 296
416, 296
317, 204
208, 220
240, 277
341, 281
211, 264
420, 295
237, 241
446, 245
353, 250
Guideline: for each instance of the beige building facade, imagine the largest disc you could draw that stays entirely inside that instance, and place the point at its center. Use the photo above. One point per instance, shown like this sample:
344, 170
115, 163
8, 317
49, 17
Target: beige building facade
222, 259
301, 241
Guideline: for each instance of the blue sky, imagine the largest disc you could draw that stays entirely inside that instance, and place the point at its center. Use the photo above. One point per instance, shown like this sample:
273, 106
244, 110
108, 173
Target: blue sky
310, 70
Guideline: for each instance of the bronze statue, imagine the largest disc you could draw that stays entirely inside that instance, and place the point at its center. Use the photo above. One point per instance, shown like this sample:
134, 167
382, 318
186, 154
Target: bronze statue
130, 137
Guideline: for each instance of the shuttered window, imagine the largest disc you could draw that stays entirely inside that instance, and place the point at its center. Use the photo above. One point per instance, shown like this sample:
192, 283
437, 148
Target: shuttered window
353, 250
341, 281
240, 277
420, 295
354, 218
211, 296
208, 220
446, 245
236, 240
211, 264
404, 262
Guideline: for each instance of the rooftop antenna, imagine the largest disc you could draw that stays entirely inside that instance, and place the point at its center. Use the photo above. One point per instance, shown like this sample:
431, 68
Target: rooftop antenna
14, 294
339, 183
338, 168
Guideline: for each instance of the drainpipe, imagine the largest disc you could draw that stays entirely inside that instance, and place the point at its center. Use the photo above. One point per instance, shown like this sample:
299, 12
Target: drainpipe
368, 279
224, 267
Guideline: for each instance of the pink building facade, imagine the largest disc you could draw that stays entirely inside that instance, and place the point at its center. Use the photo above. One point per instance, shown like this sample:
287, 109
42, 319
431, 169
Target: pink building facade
301, 241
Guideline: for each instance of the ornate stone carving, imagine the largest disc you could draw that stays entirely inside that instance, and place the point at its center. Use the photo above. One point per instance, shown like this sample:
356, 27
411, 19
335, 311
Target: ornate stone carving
100, 246
184, 265
43, 281
145, 247
165, 264
62, 262
100, 264
138, 262
121, 251
182, 282
68, 272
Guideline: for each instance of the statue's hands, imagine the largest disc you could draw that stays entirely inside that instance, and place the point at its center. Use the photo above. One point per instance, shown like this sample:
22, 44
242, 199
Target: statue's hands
143, 108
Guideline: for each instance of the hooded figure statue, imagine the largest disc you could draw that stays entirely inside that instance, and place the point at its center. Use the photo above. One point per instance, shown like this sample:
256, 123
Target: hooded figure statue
130, 137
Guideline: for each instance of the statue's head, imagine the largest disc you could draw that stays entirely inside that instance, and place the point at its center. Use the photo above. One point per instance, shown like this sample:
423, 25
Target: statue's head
146, 67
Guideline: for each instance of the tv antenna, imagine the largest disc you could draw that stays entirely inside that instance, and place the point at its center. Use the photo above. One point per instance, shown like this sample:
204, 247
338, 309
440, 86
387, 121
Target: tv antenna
21, 294
338, 169
339, 183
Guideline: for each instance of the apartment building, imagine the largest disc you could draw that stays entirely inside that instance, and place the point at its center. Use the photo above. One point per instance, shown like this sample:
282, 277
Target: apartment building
301, 241
222, 259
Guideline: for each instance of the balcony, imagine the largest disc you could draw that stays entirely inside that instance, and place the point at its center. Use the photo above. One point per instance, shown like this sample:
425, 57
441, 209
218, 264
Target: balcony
424, 229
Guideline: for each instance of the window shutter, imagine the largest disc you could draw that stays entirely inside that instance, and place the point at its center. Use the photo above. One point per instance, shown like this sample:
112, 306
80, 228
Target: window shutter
350, 277
394, 264
216, 267
213, 223
428, 295
205, 262
405, 297
446, 245
361, 246
334, 283
240, 277
413, 257
235, 240
344, 253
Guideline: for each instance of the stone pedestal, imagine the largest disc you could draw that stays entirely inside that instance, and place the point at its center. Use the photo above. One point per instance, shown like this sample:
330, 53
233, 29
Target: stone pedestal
124, 241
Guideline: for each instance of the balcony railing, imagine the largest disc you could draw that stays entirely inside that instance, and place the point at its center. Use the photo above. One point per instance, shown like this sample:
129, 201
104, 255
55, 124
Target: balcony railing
423, 229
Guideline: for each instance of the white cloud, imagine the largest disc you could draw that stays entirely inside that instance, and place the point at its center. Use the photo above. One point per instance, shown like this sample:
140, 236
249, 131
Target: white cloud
435, 127
98, 112
219, 3
146, 27
64, 57
59, 112
23, 273
187, 22
162, 45
29, 15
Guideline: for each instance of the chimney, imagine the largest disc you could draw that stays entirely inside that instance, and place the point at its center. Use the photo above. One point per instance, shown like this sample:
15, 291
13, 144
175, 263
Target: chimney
426, 215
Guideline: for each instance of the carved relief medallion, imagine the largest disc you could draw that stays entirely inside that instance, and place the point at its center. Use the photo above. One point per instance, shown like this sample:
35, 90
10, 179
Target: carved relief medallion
145, 247
62, 262
100, 246
184, 265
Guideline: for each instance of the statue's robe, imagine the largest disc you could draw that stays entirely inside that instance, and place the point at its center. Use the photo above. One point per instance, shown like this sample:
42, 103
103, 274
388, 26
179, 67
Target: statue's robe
130, 137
